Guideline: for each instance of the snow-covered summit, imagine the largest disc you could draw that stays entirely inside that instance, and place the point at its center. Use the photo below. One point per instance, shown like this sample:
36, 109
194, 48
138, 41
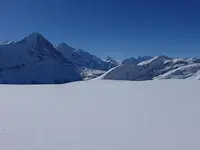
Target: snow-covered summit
130, 61
111, 60
34, 38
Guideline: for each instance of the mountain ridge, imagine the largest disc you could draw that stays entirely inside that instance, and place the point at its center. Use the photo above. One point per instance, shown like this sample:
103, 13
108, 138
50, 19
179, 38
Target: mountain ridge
159, 67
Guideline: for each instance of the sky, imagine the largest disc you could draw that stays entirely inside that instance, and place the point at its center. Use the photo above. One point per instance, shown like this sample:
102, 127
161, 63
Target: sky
118, 28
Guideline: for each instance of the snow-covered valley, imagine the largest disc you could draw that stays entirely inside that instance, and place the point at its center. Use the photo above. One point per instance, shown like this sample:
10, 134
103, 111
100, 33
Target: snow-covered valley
101, 115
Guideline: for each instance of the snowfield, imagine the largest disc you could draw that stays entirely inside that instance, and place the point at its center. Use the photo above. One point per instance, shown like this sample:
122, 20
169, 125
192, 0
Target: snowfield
101, 115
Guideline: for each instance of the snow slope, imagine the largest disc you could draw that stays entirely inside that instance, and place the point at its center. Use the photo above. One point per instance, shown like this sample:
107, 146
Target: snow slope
84, 59
183, 72
101, 115
70, 54
142, 71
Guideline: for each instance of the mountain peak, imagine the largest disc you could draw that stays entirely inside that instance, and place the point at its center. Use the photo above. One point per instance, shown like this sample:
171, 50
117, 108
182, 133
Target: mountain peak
111, 60
108, 58
130, 61
35, 34
34, 37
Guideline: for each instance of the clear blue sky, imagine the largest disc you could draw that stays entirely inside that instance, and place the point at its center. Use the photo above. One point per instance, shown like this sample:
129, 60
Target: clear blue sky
119, 28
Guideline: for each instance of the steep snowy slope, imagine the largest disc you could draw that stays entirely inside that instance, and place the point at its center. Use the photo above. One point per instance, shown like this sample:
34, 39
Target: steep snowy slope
34, 60
70, 54
101, 115
123, 72
84, 59
183, 72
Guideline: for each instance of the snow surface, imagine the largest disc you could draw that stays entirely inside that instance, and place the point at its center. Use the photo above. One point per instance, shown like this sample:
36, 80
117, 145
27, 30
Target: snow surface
101, 115
107, 72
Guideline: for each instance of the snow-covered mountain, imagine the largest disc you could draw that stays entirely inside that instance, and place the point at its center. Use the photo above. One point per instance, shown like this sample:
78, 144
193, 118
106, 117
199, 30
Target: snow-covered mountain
160, 67
101, 115
34, 60
70, 54
89, 66
84, 59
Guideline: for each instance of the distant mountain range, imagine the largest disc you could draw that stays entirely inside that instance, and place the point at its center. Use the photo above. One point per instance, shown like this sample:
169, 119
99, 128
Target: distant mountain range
160, 67
34, 60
